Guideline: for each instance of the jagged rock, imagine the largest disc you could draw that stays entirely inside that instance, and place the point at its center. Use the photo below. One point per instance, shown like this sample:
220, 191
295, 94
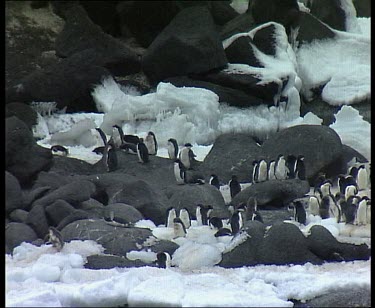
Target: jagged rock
57, 211
92, 207
74, 216
69, 165
50, 180
265, 40
29, 196
13, 193
16, 233
23, 164
182, 41
363, 8
311, 28
329, 12
241, 51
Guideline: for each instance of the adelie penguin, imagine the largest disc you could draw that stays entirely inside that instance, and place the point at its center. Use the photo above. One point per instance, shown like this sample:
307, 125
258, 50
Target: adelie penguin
361, 214
362, 178
313, 205
55, 238
236, 222
163, 259
130, 147
172, 148
179, 229
262, 171
170, 216
187, 155
234, 186
255, 172
142, 152
299, 212
271, 170
215, 223
179, 172
300, 168
350, 209
202, 213
109, 154
59, 150
151, 143
184, 215
214, 180
291, 166
280, 168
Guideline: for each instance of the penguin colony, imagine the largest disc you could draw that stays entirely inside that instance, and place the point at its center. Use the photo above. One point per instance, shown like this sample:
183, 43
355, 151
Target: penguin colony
351, 204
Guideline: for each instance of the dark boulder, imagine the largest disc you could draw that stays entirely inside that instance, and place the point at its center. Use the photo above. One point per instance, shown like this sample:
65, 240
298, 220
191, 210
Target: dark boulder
242, 51
13, 193
363, 8
73, 193
57, 211
273, 193
23, 164
18, 215
29, 196
69, 165
189, 196
329, 12
271, 217
189, 44
283, 244
108, 261
37, 219
74, 216
115, 240
49, 180
265, 40
312, 28
92, 207
239, 24
123, 213
323, 244
16, 233
22, 111
221, 12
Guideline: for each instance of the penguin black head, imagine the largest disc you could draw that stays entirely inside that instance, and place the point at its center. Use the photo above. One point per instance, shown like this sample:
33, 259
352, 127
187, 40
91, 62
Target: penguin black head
163, 259
189, 145
254, 162
59, 149
215, 222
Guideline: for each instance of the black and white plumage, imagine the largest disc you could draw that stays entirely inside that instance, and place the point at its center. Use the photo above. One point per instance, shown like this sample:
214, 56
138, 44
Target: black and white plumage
299, 212
349, 209
368, 212
321, 178
350, 190
236, 222
234, 186
202, 214
255, 172
179, 229
362, 178
251, 210
300, 168
291, 166
271, 170
59, 150
170, 216
151, 143
280, 168
184, 215
187, 155
325, 189
334, 209
163, 259
179, 172
353, 171
214, 180
324, 207
313, 205
361, 214
344, 181
142, 152
172, 148
215, 222
130, 147
55, 238
262, 171
109, 152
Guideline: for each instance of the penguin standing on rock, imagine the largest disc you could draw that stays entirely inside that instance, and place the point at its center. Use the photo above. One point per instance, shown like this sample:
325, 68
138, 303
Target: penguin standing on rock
280, 168
130, 147
234, 186
109, 153
262, 171
300, 168
202, 214
55, 238
151, 143
271, 170
163, 259
179, 172
236, 222
59, 150
255, 171
142, 152
214, 180
291, 166
362, 178
172, 148
299, 212
187, 155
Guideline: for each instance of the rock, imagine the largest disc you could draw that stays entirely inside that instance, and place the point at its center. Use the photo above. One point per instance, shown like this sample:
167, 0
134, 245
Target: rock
273, 193
182, 41
74, 216
265, 40
108, 261
73, 193
221, 12
29, 196
50, 180
245, 254
312, 28
283, 244
190, 195
16, 233
321, 108
271, 217
323, 244
363, 8
57, 211
241, 51
23, 112
69, 165
116, 241
232, 97
13, 193
24, 165
241, 23
18, 215
92, 207
284, 12
348, 153
37, 219
329, 12
123, 213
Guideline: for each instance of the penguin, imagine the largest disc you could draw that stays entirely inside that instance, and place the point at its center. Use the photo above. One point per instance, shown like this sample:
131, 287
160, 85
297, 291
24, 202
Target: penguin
236, 222
350, 190
280, 168
300, 168
163, 259
349, 209
99, 150
345, 181
185, 217
313, 205
361, 214
321, 178
223, 232
334, 209
368, 212
234, 186
291, 166
324, 207
251, 210
262, 171
172, 148
151, 143
362, 178
255, 171
179, 229
59, 150
170, 216
325, 189
142, 152
215, 223
55, 238
187, 155
202, 214
179, 172
353, 171
214, 180
129, 147
110, 155
271, 170
299, 212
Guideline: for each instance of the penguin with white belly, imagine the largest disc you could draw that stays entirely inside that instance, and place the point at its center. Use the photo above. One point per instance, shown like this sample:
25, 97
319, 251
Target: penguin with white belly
187, 155
271, 170
179, 172
280, 168
170, 216
172, 147
142, 152
163, 259
184, 215
262, 171
362, 178
151, 143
